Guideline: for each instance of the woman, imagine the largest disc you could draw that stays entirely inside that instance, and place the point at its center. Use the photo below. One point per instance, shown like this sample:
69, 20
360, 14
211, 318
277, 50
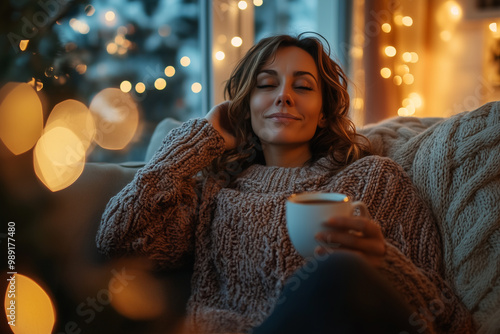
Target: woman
284, 130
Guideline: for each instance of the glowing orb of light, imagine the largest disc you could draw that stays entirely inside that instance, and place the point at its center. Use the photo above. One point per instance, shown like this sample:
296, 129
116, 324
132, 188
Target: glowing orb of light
31, 306
21, 117
116, 117
59, 158
142, 298
75, 116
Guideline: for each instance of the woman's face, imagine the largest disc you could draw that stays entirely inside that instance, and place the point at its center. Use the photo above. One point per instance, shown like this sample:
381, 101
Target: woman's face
285, 104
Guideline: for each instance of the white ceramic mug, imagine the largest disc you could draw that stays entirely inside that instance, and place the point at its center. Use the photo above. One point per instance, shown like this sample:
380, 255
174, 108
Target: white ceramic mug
307, 212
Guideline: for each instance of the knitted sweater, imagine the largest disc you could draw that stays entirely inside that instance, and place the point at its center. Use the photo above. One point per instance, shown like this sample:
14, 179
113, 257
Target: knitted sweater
237, 232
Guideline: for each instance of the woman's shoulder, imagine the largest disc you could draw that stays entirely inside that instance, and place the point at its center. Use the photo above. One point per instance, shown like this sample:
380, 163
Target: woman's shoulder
376, 161
375, 165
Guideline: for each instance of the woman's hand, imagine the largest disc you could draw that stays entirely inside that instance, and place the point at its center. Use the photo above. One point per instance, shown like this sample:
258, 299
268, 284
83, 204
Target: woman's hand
357, 234
218, 117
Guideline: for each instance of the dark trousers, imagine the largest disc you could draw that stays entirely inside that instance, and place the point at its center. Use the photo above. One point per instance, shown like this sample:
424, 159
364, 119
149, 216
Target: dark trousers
338, 293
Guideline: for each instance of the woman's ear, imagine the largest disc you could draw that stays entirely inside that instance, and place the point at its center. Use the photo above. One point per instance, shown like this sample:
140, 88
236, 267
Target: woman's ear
322, 120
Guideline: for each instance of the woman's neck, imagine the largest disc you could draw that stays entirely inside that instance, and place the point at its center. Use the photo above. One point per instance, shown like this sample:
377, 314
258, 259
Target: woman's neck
286, 156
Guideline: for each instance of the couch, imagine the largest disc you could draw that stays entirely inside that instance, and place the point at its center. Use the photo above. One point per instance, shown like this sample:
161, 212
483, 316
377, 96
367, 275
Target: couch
454, 162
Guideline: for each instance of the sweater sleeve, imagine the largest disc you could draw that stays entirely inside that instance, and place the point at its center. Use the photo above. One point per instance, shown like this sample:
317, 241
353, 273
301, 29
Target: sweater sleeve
413, 261
154, 215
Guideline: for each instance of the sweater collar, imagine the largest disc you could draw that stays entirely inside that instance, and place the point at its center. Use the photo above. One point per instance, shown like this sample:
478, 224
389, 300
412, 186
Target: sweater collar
265, 179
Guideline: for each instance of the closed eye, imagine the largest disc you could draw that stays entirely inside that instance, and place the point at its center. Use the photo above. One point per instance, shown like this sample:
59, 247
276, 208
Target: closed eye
304, 87
266, 86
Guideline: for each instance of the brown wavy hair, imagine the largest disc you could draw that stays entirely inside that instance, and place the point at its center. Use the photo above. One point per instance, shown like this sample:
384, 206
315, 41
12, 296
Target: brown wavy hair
338, 138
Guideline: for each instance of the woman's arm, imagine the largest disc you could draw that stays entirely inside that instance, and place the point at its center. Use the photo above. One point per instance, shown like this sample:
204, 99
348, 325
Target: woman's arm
154, 214
412, 257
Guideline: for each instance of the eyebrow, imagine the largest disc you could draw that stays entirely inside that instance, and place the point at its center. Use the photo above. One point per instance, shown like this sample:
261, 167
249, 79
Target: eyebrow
295, 74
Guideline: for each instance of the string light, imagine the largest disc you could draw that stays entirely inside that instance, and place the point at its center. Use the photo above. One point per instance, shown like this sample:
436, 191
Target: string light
390, 51
185, 61
492, 26
111, 48
385, 72
109, 16
258, 3
236, 41
140, 87
407, 21
169, 71
219, 55
196, 87
408, 78
81, 68
160, 83
386, 27
23, 44
445, 35
125, 86
242, 5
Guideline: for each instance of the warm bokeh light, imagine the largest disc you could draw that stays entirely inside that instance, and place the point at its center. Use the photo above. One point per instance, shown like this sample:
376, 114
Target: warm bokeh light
141, 299
407, 21
185, 61
357, 103
219, 55
38, 85
140, 87
111, 48
403, 69
81, 68
445, 35
385, 72
404, 112
160, 83
397, 80
493, 27
34, 312
110, 16
23, 44
398, 20
356, 52
416, 99
414, 57
236, 41
406, 57
125, 86
75, 116
164, 30
408, 78
116, 117
169, 71
390, 51
196, 87
222, 39
79, 26
21, 117
386, 27
242, 5
89, 10
258, 3
59, 158
455, 9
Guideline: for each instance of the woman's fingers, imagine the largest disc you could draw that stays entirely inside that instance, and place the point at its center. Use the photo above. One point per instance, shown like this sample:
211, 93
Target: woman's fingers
348, 240
356, 234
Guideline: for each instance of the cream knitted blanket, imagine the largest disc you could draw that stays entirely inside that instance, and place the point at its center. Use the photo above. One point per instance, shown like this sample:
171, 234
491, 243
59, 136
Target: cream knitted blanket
455, 165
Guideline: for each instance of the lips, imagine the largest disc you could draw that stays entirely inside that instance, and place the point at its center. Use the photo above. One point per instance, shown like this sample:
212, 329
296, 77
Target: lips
281, 115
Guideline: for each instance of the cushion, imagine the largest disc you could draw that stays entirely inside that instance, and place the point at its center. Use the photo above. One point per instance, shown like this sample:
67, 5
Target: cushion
455, 165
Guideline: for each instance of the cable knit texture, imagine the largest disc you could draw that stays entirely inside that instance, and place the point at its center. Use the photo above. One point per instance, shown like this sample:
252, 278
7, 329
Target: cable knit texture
455, 165
237, 232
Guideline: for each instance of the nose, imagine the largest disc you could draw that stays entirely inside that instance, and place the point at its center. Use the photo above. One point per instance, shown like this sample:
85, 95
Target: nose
284, 98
